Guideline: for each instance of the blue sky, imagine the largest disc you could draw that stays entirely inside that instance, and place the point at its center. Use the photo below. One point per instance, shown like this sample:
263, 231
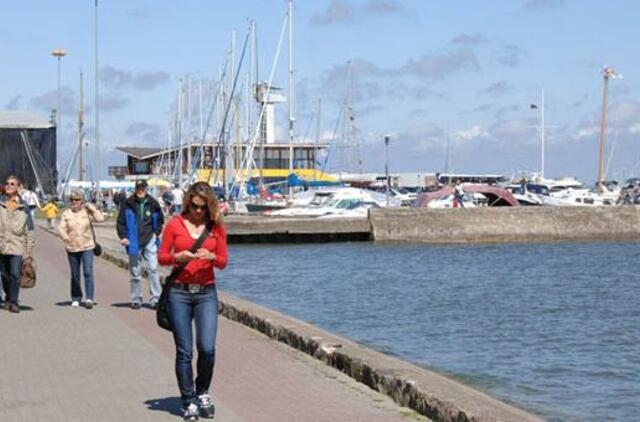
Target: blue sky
420, 69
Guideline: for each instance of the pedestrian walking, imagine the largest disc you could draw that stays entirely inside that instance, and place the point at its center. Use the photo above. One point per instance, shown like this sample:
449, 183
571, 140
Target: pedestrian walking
178, 196
17, 241
193, 295
76, 231
50, 210
139, 225
31, 199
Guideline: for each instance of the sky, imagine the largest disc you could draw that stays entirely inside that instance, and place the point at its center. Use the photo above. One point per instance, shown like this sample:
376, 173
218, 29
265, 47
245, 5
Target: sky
450, 81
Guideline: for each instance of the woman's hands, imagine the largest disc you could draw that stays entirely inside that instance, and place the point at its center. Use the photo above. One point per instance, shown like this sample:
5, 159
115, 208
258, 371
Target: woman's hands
204, 253
184, 256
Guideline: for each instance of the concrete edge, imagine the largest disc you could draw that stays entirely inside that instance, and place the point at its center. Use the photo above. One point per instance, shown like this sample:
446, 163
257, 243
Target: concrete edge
426, 392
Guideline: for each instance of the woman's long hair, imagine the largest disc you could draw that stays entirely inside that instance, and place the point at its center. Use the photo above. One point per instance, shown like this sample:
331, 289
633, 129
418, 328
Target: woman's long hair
204, 191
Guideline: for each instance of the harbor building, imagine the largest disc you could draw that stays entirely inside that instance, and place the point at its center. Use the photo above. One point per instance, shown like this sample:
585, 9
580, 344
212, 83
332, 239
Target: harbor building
28, 149
271, 161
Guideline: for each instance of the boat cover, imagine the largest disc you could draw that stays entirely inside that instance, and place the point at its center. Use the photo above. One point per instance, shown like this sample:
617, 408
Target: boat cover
497, 197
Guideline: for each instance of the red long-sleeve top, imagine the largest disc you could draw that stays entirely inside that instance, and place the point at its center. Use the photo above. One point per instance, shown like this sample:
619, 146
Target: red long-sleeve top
176, 238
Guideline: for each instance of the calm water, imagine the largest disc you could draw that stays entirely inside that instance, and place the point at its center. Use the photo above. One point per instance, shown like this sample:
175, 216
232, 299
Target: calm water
554, 328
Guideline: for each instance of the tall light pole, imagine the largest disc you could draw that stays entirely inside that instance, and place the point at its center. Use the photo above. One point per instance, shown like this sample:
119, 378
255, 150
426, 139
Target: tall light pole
387, 138
607, 73
58, 53
96, 163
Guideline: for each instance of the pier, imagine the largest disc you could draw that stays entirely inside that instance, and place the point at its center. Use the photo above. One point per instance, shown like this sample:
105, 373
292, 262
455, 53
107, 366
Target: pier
424, 225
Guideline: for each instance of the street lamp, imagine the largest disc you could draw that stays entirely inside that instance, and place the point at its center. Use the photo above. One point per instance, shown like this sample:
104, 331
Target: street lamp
387, 138
59, 53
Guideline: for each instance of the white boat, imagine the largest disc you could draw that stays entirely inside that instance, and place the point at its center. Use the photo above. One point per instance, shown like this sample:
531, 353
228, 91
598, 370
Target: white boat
335, 201
586, 197
357, 210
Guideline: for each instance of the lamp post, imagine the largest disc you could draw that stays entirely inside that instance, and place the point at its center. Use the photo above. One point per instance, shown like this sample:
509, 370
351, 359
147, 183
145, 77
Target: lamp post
58, 53
387, 138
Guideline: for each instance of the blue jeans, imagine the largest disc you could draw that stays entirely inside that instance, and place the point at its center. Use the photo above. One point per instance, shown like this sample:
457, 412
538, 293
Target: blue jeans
84, 259
11, 270
150, 254
184, 307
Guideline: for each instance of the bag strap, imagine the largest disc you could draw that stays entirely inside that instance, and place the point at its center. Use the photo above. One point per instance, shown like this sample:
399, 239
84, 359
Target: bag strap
178, 270
93, 232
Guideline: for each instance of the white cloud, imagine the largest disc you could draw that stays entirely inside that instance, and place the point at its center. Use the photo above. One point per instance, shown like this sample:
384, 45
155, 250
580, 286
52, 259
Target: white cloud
586, 132
474, 132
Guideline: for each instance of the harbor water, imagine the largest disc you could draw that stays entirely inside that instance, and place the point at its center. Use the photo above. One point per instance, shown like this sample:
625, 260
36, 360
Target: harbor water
551, 328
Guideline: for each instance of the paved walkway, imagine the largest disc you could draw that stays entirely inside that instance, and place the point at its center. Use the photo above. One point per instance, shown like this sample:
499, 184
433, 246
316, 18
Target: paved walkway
112, 363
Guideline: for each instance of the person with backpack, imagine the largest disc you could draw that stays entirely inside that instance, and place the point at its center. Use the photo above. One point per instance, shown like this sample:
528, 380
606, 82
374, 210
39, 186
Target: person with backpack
139, 225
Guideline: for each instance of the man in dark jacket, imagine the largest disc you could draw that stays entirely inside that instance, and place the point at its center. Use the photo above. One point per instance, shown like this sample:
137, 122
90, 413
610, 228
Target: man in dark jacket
139, 226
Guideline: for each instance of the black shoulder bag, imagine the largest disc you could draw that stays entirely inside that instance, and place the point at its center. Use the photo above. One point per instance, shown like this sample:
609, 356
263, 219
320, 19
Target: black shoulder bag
162, 307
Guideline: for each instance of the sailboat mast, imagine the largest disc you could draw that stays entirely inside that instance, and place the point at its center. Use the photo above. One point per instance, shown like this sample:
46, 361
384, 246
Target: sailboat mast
80, 127
315, 155
603, 131
179, 135
542, 136
291, 93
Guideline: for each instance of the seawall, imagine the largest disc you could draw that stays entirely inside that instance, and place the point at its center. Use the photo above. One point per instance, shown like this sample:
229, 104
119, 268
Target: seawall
506, 224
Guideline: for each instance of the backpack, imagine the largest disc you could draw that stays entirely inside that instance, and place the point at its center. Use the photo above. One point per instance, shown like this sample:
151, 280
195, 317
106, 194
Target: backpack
167, 198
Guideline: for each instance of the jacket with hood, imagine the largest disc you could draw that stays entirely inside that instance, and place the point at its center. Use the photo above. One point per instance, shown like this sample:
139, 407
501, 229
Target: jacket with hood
138, 220
16, 228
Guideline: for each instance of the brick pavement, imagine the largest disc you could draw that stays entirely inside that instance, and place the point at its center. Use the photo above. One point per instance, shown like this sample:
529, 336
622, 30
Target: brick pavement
112, 363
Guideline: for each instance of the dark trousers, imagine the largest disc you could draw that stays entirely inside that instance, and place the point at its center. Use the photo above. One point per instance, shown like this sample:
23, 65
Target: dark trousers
11, 270
76, 260
184, 308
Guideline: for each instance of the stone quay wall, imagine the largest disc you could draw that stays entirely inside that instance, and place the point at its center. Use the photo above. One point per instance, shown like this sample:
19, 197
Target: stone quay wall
506, 224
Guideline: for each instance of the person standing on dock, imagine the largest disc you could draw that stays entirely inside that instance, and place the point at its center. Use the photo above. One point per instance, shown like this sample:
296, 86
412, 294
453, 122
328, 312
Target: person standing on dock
192, 294
76, 231
139, 225
16, 242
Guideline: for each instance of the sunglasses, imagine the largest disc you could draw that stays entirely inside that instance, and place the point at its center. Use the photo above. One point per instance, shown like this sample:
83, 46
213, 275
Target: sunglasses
198, 207
76, 199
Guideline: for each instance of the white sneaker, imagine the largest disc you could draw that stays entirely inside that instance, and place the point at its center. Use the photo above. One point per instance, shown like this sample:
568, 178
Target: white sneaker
191, 413
88, 304
75, 304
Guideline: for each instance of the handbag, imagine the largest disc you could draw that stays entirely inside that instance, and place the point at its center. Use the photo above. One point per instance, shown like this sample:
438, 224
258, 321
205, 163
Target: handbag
97, 249
163, 317
28, 274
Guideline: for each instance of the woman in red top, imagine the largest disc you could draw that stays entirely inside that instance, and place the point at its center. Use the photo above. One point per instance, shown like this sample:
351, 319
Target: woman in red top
193, 295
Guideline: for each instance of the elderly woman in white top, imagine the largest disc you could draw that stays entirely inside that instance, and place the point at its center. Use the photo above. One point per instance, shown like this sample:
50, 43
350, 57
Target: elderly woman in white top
77, 234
